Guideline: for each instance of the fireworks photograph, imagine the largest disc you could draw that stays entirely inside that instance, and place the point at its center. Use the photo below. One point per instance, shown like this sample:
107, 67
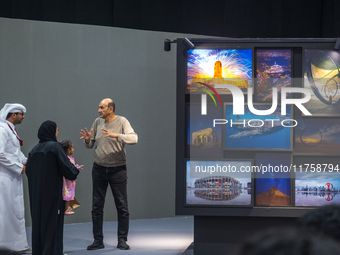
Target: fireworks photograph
219, 66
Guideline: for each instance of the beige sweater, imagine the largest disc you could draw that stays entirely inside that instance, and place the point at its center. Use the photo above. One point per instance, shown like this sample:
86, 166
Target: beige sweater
110, 152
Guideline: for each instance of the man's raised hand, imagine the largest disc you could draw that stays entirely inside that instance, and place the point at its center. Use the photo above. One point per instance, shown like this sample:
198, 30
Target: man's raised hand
86, 135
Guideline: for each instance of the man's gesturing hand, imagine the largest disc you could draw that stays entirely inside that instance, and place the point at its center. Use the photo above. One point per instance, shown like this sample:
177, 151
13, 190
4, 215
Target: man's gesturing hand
86, 135
109, 133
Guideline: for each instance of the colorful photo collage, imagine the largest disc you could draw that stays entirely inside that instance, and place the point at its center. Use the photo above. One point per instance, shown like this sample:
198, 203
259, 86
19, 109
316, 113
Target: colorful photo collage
318, 135
213, 129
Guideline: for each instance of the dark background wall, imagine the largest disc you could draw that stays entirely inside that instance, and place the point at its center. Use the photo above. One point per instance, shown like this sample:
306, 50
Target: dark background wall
62, 71
228, 18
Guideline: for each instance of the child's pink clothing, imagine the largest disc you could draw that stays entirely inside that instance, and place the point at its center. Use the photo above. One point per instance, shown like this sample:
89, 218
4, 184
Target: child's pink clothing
69, 186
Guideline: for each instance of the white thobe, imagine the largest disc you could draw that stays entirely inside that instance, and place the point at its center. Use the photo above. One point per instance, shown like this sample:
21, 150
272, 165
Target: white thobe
12, 214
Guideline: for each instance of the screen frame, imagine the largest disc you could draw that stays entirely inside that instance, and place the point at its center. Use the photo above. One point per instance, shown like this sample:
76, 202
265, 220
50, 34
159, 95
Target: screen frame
183, 97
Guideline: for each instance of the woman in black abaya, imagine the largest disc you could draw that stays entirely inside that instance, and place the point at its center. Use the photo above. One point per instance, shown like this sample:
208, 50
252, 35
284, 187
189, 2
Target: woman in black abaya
46, 165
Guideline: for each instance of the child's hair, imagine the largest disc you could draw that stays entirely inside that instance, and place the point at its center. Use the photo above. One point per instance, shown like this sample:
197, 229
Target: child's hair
67, 144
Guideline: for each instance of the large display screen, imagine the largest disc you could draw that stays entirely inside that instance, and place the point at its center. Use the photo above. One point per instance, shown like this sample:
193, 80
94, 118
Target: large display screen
269, 107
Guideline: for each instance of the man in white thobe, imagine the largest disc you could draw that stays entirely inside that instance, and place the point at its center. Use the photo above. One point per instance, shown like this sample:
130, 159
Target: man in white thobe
12, 166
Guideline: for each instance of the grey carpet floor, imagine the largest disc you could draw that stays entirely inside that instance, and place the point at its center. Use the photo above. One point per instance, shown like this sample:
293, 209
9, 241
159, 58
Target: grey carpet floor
168, 236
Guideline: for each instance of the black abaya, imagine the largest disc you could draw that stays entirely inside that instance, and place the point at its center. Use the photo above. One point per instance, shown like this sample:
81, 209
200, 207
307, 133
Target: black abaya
46, 165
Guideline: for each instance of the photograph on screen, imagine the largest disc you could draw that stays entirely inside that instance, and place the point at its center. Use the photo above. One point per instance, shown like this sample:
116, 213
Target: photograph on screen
321, 78
316, 188
207, 68
258, 132
203, 139
273, 71
273, 182
317, 136
218, 183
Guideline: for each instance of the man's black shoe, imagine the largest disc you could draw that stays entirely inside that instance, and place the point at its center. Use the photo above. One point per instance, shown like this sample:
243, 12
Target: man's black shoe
96, 246
123, 245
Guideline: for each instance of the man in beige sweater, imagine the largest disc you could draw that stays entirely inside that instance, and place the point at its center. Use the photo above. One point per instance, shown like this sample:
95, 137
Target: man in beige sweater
110, 133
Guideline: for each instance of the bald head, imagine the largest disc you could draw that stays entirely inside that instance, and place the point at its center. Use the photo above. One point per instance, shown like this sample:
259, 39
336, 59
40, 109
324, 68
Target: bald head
109, 103
106, 109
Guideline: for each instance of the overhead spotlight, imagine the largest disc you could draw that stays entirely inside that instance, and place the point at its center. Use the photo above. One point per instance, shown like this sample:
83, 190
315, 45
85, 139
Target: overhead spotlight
167, 44
337, 43
188, 43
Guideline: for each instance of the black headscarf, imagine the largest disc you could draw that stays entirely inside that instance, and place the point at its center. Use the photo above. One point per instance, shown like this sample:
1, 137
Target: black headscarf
47, 131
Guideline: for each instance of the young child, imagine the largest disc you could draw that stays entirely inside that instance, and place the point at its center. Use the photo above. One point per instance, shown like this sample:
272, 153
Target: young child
69, 186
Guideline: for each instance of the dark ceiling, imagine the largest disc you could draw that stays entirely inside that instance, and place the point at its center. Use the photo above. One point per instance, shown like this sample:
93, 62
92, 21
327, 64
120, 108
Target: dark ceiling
242, 18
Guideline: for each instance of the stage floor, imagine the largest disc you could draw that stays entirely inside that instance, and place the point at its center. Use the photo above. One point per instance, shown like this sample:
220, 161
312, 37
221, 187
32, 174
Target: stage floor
168, 236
